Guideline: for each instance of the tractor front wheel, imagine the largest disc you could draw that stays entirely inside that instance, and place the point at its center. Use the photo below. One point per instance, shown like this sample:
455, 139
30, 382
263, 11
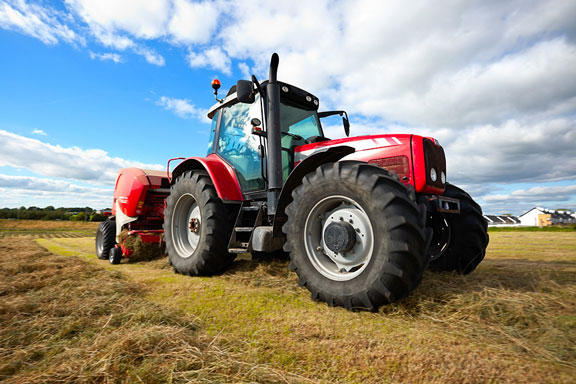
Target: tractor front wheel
465, 235
355, 236
196, 226
105, 238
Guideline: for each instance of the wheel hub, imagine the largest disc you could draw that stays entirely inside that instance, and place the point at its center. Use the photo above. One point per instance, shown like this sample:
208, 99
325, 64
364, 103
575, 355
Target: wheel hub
194, 225
340, 236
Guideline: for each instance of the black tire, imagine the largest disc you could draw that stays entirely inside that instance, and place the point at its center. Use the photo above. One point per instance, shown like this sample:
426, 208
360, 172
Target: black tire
203, 250
105, 238
468, 237
115, 255
392, 266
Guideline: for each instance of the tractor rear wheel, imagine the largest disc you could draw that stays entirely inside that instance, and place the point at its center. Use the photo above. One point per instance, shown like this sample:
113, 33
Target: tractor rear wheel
105, 238
467, 239
196, 226
355, 236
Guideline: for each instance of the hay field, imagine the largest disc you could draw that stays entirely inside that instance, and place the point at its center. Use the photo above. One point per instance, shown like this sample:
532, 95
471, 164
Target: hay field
66, 316
44, 228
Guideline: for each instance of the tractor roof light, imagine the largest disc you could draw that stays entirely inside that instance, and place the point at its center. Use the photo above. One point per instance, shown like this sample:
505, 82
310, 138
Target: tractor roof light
216, 86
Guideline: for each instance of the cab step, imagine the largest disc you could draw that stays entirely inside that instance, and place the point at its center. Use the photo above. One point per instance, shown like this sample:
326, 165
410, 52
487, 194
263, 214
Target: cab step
249, 216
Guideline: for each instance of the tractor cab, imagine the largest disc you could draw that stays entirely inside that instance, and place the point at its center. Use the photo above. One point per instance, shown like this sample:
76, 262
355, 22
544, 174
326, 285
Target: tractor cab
239, 132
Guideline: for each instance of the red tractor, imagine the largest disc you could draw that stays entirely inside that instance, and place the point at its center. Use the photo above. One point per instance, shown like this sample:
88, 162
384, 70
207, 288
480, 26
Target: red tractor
361, 217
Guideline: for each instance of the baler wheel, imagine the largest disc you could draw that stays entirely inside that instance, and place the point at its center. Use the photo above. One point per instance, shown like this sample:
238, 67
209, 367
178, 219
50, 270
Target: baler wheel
115, 255
105, 238
197, 226
356, 236
468, 236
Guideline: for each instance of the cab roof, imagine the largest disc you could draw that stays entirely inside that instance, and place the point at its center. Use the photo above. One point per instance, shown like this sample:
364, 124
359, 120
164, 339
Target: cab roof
287, 91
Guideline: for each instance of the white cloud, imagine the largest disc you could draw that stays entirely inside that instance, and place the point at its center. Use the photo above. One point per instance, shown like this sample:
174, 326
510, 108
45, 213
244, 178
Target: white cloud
16, 191
193, 22
115, 57
535, 195
141, 19
15, 197
526, 82
112, 22
245, 70
47, 185
39, 132
183, 108
213, 57
90, 165
112, 40
36, 21
151, 56
517, 150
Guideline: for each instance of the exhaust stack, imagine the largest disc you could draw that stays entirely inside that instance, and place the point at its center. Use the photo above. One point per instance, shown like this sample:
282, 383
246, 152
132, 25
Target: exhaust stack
274, 165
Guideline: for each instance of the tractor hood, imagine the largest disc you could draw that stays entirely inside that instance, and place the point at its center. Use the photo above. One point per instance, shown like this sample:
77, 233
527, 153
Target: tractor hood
359, 143
418, 161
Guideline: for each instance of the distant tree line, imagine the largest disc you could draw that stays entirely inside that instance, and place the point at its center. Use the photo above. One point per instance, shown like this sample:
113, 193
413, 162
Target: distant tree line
51, 213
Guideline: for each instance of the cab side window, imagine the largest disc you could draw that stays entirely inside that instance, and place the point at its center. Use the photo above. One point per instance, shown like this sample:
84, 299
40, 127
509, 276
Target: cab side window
239, 147
212, 133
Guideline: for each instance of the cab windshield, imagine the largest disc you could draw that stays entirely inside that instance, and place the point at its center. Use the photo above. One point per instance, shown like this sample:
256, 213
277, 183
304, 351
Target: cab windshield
299, 122
297, 125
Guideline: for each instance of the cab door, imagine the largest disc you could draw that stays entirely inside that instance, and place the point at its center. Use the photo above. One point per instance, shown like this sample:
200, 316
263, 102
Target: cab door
239, 147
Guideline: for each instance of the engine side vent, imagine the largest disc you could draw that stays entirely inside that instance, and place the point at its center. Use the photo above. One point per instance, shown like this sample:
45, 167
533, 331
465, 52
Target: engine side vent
397, 164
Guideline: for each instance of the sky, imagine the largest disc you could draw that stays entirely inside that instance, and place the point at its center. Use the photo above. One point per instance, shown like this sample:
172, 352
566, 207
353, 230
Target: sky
91, 86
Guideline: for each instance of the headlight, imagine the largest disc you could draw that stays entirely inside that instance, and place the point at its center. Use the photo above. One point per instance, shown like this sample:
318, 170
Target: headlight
443, 177
433, 174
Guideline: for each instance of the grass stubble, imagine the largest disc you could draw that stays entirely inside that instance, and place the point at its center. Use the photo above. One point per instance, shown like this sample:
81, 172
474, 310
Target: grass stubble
512, 320
65, 320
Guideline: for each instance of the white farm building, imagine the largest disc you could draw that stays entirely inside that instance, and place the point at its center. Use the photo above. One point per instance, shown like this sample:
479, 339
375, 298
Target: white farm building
542, 217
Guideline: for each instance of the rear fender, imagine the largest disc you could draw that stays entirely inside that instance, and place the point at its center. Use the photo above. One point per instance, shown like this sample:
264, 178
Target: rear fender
220, 172
309, 164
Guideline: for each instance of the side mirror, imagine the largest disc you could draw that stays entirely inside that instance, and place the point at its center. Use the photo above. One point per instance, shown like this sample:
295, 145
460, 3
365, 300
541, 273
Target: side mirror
245, 91
346, 123
345, 120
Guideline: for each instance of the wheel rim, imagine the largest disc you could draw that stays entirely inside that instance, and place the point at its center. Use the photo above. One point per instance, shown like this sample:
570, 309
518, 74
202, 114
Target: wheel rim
338, 266
186, 225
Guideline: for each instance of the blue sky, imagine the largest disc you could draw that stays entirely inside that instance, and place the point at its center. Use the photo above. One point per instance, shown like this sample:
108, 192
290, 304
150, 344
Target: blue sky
91, 86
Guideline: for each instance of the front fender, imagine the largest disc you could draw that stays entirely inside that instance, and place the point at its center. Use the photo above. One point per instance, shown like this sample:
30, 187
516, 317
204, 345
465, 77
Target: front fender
220, 172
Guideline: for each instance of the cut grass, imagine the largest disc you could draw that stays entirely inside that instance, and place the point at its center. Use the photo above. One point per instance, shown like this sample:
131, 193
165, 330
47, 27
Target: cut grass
513, 320
46, 225
46, 229
74, 318
65, 320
